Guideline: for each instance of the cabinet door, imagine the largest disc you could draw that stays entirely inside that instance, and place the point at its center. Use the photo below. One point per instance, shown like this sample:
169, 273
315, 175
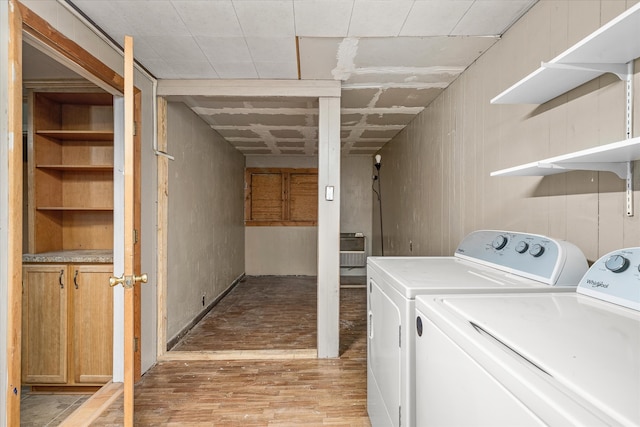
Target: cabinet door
93, 323
44, 324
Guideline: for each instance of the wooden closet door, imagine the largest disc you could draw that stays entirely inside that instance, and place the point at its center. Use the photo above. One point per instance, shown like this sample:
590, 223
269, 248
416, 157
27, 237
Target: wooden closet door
44, 324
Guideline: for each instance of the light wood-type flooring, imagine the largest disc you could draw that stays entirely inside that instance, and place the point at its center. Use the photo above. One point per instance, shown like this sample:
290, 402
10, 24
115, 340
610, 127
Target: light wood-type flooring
260, 313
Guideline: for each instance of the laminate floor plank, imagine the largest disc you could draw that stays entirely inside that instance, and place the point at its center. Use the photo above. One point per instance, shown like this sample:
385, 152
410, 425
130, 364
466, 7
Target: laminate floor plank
285, 392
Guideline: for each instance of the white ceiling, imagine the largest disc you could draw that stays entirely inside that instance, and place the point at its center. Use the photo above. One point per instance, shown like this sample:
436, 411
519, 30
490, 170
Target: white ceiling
392, 56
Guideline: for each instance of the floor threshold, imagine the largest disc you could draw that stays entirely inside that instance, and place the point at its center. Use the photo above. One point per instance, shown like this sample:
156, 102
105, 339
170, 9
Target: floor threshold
239, 355
94, 406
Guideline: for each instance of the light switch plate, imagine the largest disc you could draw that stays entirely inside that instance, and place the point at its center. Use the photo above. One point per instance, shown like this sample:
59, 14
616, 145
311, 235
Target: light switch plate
328, 194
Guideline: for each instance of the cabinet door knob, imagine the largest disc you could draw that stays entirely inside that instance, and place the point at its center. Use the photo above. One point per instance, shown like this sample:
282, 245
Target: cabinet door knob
75, 279
60, 279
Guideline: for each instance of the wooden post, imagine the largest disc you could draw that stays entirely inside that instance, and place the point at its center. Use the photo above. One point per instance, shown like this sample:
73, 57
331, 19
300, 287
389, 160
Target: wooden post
329, 227
163, 223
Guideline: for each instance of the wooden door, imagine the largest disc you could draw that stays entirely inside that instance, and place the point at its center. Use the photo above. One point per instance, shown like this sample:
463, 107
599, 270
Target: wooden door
44, 324
129, 235
92, 323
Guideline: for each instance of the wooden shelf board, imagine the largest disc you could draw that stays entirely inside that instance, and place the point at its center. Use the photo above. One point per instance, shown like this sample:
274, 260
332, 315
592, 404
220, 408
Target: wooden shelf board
78, 135
73, 208
613, 43
79, 168
80, 98
617, 152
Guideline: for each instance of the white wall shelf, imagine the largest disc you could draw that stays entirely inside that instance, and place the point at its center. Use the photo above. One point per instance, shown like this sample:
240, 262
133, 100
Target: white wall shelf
615, 157
607, 50
611, 157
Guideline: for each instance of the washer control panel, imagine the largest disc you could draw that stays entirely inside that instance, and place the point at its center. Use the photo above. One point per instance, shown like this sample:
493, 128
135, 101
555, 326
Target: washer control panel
615, 278
530, 255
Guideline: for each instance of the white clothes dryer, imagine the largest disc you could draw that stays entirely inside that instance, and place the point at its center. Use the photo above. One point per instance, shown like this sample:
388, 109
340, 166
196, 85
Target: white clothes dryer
554, 359
486, 261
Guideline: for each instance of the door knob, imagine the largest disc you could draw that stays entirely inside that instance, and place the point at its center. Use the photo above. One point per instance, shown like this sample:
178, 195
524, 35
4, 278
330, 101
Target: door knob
142, 278
127, 281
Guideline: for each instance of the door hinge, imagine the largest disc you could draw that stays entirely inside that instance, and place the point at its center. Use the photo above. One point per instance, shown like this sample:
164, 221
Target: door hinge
400, 416
400, 336
135, 128
135, 236
135, 344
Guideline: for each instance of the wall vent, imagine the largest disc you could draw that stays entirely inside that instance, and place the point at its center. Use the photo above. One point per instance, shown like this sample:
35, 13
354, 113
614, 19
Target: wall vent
352, 250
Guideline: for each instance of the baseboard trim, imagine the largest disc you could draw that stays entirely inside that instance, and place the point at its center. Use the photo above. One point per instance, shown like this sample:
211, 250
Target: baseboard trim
173, 341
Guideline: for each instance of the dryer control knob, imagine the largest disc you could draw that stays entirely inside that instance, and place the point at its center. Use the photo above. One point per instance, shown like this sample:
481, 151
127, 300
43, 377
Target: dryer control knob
536, 250
616, 263
499, 242
522, 247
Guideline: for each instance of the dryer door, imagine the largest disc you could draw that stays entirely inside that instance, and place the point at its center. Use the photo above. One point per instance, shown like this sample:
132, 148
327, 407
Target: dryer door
383, 371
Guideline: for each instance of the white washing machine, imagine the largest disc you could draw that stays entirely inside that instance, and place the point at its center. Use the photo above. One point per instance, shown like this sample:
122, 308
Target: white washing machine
486, 261
556, 359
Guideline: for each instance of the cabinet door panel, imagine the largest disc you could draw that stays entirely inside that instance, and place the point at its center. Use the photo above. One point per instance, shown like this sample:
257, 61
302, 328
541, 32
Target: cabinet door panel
93, 323
44, 324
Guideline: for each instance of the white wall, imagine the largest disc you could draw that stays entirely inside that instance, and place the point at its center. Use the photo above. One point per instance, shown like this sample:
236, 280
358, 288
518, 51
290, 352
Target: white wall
436, 183
206, 227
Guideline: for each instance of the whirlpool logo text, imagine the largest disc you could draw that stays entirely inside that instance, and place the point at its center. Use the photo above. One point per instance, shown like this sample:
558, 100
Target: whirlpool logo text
597, 284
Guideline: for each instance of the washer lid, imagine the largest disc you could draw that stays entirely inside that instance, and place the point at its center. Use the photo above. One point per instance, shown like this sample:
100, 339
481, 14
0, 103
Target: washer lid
588, 346
412, 276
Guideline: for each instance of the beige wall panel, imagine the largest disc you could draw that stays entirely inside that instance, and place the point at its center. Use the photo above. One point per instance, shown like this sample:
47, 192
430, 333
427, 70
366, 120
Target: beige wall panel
281, 251
612, 211
631, 226
557, 16
436, 172
610, 9
469, 129
356, 202
206, 205
582, 19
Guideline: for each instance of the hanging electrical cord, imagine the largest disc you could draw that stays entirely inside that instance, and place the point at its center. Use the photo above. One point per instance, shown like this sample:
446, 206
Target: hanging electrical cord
376, 177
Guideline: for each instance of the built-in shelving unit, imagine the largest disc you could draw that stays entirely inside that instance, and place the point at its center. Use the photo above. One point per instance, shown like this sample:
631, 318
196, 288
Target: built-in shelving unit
67, 307
610, 49
607, 50
71, 171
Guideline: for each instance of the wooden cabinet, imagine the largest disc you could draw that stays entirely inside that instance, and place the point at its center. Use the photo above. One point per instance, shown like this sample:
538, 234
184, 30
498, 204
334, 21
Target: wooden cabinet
67, 319
70, 168
67, 334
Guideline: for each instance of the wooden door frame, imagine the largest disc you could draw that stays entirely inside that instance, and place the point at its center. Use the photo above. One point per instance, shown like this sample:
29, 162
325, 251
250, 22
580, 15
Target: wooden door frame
34, 28
11, 240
